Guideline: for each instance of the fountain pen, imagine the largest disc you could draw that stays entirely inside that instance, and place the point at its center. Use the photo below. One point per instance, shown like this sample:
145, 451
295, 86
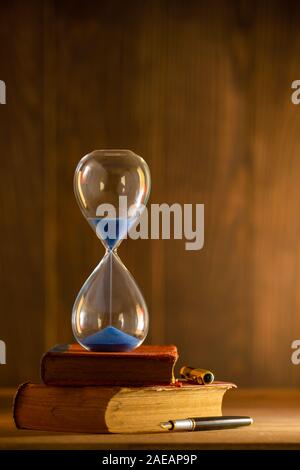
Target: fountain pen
206, 424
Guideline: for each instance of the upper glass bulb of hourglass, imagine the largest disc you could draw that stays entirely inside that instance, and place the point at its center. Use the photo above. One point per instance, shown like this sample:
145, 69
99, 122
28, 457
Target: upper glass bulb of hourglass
112, 188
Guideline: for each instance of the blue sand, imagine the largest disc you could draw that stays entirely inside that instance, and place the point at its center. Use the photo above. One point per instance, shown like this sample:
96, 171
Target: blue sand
110, 339
110, 230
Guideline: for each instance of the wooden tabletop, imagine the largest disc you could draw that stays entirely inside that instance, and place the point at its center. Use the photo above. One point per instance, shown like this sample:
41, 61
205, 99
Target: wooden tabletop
276, 415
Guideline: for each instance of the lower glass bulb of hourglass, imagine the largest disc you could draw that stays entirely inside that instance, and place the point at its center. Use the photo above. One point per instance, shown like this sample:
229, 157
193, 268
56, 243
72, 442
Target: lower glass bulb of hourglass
110, 313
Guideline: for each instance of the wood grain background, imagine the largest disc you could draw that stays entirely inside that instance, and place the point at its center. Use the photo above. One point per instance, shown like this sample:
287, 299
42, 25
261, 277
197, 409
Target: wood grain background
202, 91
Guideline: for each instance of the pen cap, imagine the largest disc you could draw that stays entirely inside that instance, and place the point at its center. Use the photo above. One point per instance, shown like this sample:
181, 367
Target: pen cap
200, 376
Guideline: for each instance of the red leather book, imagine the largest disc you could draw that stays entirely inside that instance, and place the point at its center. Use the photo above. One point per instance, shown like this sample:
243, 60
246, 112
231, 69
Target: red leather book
68, 365
113, 409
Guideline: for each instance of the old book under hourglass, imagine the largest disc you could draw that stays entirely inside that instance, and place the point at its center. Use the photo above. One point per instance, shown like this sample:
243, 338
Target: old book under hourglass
112, 188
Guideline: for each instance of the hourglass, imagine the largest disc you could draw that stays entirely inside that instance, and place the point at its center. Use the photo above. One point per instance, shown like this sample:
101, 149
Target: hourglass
112, 188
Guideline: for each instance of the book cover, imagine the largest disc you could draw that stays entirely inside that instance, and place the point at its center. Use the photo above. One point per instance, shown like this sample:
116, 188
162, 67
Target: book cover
113, 409
72, 365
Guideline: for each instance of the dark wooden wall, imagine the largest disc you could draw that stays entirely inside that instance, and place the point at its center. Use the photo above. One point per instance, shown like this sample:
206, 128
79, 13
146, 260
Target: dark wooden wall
201, 90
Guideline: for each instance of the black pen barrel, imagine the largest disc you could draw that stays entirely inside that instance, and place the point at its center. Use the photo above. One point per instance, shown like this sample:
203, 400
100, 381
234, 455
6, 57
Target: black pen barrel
220, 422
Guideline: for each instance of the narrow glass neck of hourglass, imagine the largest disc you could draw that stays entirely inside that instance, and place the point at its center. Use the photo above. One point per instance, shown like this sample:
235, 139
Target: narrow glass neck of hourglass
111, 251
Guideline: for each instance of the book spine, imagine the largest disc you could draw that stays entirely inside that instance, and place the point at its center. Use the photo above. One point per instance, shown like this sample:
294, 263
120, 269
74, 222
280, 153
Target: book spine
76, 371
60, 410
16, 404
